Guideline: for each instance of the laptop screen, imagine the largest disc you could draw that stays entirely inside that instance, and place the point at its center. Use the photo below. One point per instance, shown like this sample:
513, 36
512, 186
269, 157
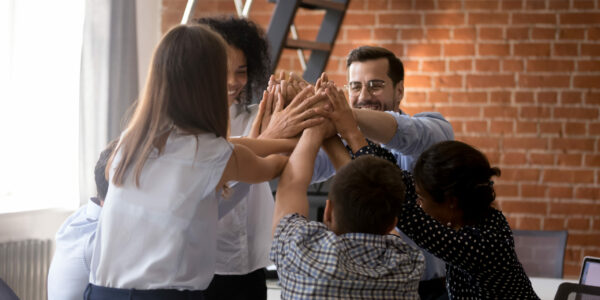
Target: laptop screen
590, 273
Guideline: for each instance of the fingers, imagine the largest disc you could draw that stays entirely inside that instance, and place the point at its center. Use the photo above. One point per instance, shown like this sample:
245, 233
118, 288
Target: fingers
256, 124
300, 97
311, 122
279, 103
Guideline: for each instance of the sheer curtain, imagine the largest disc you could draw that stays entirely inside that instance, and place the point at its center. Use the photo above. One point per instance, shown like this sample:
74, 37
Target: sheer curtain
40, 46
109, 80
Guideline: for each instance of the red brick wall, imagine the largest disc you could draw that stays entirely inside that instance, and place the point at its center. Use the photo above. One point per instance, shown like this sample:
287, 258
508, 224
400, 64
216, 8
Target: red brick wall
518, 79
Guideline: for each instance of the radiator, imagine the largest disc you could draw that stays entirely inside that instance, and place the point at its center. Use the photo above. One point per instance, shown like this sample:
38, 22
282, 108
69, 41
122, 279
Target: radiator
24, 267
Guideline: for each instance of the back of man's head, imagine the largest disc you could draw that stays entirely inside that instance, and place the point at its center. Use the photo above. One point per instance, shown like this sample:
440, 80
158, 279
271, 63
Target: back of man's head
99, 175
365, 53
365, 196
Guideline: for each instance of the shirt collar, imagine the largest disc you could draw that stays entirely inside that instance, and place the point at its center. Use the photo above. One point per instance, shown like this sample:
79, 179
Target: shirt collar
92, 211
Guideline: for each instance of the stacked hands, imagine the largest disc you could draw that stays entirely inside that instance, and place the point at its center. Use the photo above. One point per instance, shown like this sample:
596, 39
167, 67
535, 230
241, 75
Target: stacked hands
289, 106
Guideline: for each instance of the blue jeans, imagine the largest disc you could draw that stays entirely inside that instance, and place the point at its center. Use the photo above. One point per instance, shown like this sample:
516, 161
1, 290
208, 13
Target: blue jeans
94, 292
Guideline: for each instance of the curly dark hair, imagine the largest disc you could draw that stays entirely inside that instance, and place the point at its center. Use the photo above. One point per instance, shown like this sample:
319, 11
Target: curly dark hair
248, 37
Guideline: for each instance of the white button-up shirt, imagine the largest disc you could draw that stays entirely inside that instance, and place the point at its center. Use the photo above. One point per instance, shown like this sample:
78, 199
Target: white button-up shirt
70, 268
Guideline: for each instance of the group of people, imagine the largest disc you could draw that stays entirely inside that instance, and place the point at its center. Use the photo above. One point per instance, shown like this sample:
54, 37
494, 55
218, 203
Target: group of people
184, 209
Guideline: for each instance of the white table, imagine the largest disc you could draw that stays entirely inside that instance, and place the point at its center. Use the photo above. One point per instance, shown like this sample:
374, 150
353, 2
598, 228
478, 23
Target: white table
546, 288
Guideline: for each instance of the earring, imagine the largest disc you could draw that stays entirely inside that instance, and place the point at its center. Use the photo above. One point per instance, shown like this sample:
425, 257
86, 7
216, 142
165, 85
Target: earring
449, 224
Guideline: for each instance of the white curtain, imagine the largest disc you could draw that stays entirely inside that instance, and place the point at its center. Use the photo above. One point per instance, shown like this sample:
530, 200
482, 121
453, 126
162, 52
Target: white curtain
109, 80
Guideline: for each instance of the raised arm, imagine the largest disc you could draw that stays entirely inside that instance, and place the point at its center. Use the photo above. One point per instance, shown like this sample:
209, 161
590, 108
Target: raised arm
294, 181
245, 166
264, 147
376, 125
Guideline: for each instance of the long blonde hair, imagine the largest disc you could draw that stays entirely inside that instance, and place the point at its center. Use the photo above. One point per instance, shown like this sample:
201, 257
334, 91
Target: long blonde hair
186, 89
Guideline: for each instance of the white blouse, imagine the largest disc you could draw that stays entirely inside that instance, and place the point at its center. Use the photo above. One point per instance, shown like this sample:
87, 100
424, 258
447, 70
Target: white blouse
244, 234
163, 234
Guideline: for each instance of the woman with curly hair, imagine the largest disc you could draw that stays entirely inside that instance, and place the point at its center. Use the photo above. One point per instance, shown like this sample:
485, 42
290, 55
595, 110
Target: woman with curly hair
244, 234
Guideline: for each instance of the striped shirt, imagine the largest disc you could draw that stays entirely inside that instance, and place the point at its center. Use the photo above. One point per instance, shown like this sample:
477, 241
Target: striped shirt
315, 263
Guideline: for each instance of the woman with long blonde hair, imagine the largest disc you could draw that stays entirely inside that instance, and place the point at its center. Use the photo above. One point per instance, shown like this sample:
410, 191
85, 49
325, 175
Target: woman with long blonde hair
156, 237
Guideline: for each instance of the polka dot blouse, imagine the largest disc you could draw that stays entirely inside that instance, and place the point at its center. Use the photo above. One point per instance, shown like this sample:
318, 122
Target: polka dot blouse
481, 259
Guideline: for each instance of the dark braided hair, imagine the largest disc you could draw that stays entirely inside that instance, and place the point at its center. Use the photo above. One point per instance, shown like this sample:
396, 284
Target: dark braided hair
455, 169
248, 37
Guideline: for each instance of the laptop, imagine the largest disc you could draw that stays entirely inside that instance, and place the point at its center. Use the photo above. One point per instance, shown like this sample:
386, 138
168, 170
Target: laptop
590, 272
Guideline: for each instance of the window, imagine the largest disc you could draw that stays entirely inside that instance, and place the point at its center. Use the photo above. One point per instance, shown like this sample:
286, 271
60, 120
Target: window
40, 50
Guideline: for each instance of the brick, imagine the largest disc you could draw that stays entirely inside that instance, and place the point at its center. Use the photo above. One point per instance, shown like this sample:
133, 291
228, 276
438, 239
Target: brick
511, 4
476, 126
469, 97
583, 4
482, 5
448, 81
500, 97
533, 191
533, 112
378, 4
517, 33
439, 97
358, 33
481, 142
353, 5
530, 223
593, 33
563, 49
543, 33
565, 192
527, 127
477, 81
550, 81
579, 223
501, 127
450, 4
532, 49
533, 18
588, 65
506, 190
418, 81
594, 128
541, 159
569, 160
524, 206
586, 81
445, 19
570, 144
524, 97
576, 113
583, 239
491, 33
554, 223
412, 34
410, 65
571, 33
493, 49
433, 66
547, 65
579, 18
459, 49
514, 158
525, 143
400, 4
535, 4
592, 160
386, 34
394, 19
568, 176
488, 18
487, 65
558, 4
500, 112
425, 4
588, 193
573, 128
350, 19
554, 128
422, 50
438, 33
512, 65
590, 49
592, 98
460, 65
459, 111
547, 97
465, 33
568, 97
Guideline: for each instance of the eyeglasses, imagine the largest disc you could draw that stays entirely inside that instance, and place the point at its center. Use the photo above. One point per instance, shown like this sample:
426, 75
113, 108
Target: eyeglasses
374, 87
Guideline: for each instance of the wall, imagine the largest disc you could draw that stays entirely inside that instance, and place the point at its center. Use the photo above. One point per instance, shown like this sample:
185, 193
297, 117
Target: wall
518, 79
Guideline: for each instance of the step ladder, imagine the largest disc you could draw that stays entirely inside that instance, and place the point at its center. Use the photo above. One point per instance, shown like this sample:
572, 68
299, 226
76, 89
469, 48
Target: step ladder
281, 23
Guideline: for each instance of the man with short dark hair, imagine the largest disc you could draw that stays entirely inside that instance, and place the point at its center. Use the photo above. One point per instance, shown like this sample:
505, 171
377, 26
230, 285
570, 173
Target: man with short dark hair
351, 255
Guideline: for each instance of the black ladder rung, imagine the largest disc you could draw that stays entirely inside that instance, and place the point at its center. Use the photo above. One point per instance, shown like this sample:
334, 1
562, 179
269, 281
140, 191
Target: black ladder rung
304, 44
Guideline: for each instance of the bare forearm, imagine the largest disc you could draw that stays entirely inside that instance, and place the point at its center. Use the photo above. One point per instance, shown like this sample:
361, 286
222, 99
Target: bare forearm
264, 147
378, 126
336, 151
